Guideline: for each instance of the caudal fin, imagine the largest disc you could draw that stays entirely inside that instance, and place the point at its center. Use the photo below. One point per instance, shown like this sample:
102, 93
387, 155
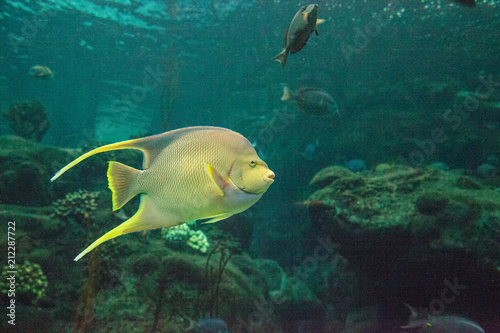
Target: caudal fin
147, 217
281, 57
121, 181
287, 94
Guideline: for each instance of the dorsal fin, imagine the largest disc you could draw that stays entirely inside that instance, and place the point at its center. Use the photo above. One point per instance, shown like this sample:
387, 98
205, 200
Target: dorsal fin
151, 146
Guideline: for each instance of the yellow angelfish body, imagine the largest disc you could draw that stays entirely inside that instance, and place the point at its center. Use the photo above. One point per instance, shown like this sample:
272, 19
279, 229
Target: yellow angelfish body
189, 174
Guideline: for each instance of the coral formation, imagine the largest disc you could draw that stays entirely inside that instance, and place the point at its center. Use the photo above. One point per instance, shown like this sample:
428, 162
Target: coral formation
31, 285
395, 204
28, 119
328, 175
79, 205
198, 241
183, 233
398, 226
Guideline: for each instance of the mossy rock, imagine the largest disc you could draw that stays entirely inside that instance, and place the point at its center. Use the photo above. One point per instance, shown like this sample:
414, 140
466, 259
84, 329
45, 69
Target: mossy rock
186, 287
26, 168
41, 256
328, 175
348, 183
465, 212
431, 202
468, 183
273, 272
424, 227
385, 168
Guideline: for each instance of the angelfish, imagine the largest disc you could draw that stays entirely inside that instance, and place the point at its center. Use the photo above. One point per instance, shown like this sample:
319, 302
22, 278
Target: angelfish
303, 24
189, 174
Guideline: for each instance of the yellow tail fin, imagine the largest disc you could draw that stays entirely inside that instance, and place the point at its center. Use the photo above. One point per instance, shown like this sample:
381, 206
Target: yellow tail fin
287, 94
281, 57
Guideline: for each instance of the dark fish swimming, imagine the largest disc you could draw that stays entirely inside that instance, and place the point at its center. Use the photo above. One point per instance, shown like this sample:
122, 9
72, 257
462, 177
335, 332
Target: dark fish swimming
466, 3
303, 24
41, 72
311, 147
208, 325
310, 100
441, 324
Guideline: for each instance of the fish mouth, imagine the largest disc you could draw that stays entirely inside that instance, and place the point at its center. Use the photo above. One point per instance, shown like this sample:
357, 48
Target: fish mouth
269, 177
268, 180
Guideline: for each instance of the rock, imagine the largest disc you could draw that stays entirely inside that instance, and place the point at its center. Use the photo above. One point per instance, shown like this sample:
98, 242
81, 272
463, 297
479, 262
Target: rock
356, 165
282, 287
328, 175
493, 160
424, 227
274, 274
440, 166
29, 165
379, 222
486, 170
431, 202
466, 182
383, 168
361, 321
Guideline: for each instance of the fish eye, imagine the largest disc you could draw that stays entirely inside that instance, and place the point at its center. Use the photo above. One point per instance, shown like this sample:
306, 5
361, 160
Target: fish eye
253, 164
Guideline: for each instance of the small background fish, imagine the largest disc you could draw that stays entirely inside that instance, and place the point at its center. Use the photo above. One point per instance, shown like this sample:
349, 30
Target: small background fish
41, 72
303, 24
310, 100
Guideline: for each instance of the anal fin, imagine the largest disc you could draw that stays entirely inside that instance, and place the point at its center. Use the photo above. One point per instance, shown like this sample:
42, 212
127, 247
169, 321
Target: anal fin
219, 217
147, 217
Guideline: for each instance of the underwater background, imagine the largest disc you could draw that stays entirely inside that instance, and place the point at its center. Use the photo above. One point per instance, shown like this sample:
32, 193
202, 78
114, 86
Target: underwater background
392, 198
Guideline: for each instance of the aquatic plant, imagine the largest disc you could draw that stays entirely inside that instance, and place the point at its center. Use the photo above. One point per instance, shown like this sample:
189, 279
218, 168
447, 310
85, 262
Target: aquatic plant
210, 291
31, 282
85, 312
169, 89
182, 233
79, 205
28, 119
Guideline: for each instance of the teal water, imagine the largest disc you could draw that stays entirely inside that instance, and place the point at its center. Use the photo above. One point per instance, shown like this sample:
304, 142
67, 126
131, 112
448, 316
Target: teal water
416, 83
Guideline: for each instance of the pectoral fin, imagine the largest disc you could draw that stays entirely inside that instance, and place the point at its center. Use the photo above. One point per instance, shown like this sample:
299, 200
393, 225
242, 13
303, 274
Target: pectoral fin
217, 179
218, 218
